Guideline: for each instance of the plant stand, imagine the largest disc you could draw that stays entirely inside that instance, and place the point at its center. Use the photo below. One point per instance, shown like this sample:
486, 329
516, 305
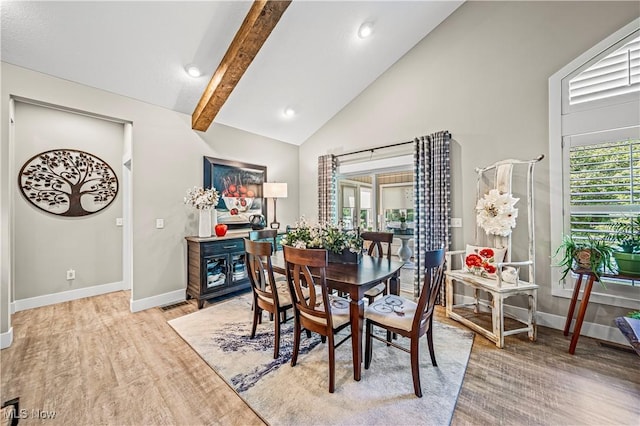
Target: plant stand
583, 307
583, 304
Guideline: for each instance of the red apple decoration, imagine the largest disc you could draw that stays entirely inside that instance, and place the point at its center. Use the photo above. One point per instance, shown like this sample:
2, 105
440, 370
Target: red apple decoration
221, 229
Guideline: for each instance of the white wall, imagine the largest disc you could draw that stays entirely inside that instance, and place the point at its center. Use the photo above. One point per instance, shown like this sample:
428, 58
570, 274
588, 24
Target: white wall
47, 245
166, 160
482, 75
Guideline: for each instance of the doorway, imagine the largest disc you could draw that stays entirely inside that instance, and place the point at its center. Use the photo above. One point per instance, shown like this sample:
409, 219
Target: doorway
47, 247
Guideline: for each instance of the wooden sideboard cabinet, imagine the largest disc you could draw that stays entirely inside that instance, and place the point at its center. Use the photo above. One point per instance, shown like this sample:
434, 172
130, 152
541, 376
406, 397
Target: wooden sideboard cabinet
216, 266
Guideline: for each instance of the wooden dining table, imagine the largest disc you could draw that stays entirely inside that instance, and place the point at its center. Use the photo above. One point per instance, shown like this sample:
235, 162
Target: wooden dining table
355, 280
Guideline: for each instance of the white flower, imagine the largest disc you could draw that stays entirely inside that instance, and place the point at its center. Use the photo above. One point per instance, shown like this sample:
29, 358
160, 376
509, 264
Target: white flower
201, 198
496, 214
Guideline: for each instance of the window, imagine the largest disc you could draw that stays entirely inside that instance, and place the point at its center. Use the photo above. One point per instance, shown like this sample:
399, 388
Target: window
604, 184
614, 75
594, 150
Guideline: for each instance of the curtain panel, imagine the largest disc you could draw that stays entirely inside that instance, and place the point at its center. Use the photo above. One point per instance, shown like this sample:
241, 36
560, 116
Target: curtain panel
432, 200
327, 189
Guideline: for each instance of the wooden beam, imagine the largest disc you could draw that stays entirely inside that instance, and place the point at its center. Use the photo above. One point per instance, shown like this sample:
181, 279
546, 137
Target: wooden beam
254, 31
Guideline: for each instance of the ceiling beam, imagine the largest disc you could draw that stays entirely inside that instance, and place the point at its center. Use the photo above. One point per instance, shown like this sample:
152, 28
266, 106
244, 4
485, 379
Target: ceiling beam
254, 31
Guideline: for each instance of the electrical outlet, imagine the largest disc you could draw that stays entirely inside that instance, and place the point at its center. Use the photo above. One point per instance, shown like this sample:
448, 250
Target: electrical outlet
456, 222
159, 223
71, 274
118, 221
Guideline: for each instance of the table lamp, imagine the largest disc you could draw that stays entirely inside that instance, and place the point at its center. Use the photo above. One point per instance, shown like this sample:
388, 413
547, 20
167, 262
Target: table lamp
274, 190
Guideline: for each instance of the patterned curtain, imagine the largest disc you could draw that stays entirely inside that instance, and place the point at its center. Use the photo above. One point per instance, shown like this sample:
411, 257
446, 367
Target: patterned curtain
432, 200
327, 189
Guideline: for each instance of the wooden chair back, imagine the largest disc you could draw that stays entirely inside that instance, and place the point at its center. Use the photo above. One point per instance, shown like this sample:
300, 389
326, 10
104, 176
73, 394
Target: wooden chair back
311, 307
258, 261
433, 277
377, 239
265, 234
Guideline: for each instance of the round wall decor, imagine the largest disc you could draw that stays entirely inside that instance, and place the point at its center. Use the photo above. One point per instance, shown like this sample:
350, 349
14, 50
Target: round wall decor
68, 182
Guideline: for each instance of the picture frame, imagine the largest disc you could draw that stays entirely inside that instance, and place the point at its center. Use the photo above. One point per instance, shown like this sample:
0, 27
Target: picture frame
240, 187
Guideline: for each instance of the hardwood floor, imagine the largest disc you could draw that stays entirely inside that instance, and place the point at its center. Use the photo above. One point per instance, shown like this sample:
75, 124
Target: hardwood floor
91, 361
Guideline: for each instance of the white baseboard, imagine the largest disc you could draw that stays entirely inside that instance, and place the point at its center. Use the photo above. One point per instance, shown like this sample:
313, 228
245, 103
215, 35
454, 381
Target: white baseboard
6, 339
159, 300
65, 296
596, 331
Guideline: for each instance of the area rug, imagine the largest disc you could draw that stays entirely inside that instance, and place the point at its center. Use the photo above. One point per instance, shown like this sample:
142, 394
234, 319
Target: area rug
285, 395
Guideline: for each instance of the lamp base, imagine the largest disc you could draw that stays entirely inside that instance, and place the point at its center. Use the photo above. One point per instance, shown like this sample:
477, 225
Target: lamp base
275, 225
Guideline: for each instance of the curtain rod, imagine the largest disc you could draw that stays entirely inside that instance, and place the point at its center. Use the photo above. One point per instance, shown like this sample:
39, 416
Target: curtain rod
373, 149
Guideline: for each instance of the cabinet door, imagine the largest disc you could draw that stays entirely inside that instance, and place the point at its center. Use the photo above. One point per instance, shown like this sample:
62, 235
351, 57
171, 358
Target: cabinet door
237, 267
215, 268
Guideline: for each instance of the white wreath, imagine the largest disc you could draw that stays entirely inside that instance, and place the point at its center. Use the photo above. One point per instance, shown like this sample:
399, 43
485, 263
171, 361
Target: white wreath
496, 213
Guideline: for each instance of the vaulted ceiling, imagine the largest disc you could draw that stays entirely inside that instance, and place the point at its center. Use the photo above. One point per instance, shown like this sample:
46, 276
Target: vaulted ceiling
313, 62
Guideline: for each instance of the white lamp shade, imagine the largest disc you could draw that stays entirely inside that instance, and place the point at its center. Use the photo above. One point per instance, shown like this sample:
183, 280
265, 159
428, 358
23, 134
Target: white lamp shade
274, 190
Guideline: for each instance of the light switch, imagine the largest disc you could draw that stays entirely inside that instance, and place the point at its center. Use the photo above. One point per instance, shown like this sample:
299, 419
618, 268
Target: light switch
159, 223
118, 221
456, 222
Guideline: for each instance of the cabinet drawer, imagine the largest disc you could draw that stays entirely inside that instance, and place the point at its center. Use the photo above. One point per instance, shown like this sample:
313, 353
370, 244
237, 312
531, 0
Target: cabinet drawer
225, 246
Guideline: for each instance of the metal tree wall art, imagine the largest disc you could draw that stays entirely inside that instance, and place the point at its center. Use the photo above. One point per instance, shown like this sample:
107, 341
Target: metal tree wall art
68, 182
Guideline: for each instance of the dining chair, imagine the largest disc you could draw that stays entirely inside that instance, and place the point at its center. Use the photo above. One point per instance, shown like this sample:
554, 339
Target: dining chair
270, 235
377, 239
407, 318
314, 308
263, 283
265, 234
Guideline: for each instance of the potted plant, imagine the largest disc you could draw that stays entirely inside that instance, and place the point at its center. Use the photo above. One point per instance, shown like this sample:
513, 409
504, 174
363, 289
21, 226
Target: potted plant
594, 255
626, 235
343, 246
403, 222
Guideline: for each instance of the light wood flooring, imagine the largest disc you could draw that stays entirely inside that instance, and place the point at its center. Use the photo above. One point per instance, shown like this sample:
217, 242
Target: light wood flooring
93, 362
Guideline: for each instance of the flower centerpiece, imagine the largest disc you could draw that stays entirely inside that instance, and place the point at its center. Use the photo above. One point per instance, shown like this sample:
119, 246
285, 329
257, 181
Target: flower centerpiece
344, 246
496, 213
204, 200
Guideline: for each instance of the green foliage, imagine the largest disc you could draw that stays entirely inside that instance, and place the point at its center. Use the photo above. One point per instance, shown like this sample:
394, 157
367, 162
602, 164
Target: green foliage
603, 173
598, 255
626, 233
634, 315
327, 236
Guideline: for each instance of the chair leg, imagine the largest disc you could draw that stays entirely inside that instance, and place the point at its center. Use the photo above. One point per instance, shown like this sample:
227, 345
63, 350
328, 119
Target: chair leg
389, 337
368, 350
431, 351
276, 341
256, 314
415, 366
332, 365
296, 341
308, 333
323, 339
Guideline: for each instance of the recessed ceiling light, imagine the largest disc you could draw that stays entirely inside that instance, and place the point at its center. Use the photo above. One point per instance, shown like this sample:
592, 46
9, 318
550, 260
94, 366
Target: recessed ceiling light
289, 112
365, 30
193, 70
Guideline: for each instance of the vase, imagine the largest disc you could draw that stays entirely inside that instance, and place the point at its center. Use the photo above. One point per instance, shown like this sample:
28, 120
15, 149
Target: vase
628, 263
346, 256
403, 225
214, 218
204, 225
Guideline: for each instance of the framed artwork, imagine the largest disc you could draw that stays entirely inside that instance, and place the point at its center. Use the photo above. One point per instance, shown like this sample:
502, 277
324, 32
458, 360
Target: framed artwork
240, 188
68, 182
